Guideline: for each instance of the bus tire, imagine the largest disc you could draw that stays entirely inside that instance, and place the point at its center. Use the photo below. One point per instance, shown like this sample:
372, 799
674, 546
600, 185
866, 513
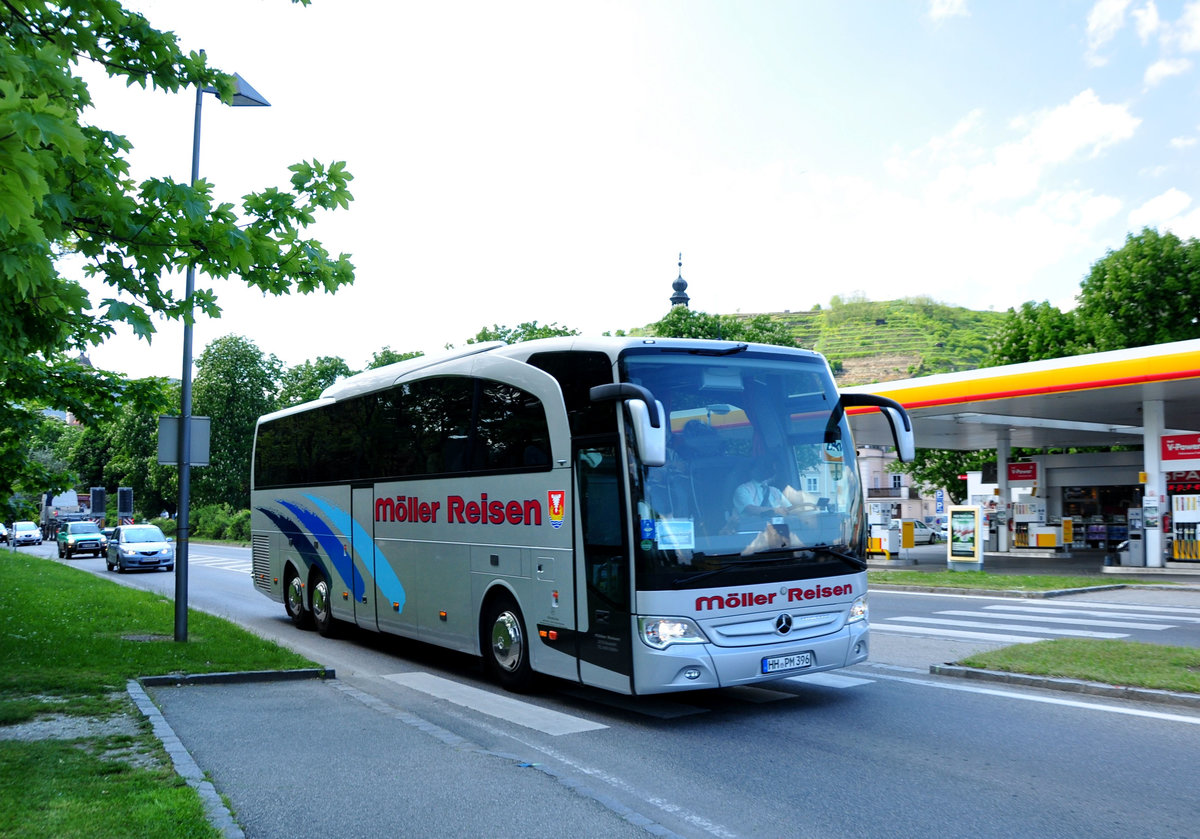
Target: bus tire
321, 605
506, 645
293, 600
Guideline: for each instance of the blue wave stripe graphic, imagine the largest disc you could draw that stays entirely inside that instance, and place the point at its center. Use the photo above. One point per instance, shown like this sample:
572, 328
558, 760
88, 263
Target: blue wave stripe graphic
289, 529
332, 545
385, 577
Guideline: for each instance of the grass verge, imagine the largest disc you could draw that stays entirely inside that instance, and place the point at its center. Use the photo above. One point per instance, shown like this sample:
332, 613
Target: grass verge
69, 642
986, 580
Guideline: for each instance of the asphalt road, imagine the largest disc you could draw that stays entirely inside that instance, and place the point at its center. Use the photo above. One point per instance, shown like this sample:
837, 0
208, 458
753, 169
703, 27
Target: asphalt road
883, 749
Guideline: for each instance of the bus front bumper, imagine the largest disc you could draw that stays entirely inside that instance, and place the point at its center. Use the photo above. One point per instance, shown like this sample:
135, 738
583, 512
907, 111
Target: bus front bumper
704, 666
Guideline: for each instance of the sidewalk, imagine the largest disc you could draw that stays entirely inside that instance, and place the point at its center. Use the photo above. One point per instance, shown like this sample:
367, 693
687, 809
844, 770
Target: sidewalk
318, 758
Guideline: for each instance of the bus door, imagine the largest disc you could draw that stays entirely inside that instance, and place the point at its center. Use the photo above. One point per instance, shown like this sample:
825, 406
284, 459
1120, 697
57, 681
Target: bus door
362, 556
605, 631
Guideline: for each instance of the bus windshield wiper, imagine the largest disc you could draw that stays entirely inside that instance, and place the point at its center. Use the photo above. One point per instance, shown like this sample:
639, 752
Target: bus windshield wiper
842, 553
736, 561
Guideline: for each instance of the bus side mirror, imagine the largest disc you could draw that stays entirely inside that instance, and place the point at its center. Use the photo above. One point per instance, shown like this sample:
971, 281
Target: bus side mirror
646, 415
651, 441
897, 417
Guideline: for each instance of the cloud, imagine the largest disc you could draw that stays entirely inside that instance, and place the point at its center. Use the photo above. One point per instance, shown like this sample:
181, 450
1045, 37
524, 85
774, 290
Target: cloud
1147, 21
1167, 212
1186, 34
1164, 69
1104, 21
941, 9
1180, 143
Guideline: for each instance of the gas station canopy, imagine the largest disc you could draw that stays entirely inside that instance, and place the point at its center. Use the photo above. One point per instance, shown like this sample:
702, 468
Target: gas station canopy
1086, 400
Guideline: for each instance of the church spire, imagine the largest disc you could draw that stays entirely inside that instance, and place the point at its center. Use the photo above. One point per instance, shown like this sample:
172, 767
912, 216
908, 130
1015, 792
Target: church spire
680, 298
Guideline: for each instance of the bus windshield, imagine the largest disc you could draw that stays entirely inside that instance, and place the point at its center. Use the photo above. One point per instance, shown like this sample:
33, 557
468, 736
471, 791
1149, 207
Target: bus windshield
754, 489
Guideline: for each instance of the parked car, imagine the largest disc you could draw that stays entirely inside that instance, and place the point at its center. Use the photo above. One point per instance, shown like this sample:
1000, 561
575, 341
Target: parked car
139, 546
923, 534
26, 533
3, 533
76, 537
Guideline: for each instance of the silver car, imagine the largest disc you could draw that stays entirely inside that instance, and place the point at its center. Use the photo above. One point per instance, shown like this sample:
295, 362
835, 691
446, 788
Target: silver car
26, 533
139, 546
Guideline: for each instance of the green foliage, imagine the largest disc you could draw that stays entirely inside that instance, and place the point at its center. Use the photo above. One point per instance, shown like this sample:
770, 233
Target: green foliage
305, 382
683, 322
235, 385
1146, 293
1035, 331
211, 521
527, 331
388, 356
933, 469
65, 189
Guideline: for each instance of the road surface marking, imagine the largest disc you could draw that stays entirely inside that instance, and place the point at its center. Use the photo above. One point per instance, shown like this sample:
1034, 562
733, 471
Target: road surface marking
494, 705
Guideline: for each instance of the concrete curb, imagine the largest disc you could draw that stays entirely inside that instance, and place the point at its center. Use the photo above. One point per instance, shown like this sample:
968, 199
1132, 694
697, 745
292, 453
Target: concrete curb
234, 678
1161, 697
215, 808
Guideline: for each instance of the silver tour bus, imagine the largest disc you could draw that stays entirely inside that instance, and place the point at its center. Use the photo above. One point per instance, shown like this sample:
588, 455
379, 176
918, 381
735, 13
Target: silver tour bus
642, 515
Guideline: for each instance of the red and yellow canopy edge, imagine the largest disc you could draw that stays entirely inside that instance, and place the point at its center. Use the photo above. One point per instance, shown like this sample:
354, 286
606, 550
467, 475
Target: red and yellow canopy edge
999, 384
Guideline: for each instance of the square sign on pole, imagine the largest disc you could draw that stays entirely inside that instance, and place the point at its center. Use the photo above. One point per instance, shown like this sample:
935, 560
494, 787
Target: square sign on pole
168, 440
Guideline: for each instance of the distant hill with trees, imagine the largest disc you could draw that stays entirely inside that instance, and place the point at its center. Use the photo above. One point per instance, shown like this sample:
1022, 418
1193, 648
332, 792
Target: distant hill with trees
874, 341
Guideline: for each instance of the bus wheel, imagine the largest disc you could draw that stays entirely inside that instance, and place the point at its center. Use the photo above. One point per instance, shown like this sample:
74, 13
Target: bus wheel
322, 614
293, 601
506, 648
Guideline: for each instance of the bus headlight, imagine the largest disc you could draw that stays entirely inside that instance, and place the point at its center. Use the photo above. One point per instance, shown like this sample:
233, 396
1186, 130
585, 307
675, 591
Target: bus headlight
858, 610
661, 633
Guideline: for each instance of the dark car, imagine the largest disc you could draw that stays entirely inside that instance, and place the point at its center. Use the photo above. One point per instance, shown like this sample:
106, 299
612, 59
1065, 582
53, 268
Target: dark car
139, 546
80, 537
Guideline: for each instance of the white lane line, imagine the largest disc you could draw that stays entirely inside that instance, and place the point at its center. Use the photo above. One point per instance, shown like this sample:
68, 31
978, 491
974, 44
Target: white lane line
900, 629
494, 705
1079, 633
1046, 700
1154, 613
1072, 621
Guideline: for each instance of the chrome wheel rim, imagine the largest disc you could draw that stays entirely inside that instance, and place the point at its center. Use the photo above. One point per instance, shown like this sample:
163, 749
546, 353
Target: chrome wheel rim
508, 643
320, 601
295, 596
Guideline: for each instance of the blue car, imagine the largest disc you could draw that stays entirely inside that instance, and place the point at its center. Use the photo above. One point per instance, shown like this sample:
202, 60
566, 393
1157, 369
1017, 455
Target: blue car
139, 547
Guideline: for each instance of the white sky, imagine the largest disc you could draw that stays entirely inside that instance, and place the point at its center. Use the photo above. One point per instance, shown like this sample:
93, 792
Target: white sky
548, 161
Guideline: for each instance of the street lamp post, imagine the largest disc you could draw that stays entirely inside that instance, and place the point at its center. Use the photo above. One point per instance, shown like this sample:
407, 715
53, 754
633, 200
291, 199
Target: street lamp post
245, 96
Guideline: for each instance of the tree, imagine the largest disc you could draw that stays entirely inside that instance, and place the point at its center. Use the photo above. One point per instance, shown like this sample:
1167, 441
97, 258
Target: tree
527, 331
65, 189
305, 382
388, 356
235, 385
1148, 292
933, 469
682, 322
1034, 332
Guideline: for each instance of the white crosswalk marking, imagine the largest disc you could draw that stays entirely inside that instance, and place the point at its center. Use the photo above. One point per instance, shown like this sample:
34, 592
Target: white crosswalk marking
1044, 630
241, 566
1040, 621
